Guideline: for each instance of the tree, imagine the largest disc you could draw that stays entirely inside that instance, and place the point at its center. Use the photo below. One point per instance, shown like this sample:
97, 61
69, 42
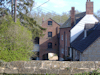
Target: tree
24, 7
77, 12
98, 13
15, 40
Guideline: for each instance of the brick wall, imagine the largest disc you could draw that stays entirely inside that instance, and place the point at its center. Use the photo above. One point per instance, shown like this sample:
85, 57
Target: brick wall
89, 7
65, 43
43, 42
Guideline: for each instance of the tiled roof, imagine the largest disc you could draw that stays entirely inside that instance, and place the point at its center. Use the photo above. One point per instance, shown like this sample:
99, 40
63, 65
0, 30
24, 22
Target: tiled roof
60, 24
82, 43
66, 24
54, 21
78, 17
98, 18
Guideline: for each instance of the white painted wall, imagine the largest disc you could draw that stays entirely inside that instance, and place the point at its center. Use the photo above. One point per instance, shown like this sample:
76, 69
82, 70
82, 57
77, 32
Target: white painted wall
78, 29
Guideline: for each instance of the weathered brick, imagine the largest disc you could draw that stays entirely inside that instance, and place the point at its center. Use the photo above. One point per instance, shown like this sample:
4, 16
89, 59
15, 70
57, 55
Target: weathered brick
43, 41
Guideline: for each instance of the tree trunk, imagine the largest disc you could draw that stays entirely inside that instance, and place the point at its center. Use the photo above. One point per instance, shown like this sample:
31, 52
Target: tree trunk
15, 6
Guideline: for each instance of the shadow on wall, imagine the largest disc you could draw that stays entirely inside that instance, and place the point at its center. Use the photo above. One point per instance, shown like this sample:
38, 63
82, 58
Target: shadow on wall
49, 45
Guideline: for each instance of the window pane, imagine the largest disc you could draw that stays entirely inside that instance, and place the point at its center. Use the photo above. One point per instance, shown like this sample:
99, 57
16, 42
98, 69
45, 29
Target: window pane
62, 50
49, 34
49, 22
49, 45
61, 37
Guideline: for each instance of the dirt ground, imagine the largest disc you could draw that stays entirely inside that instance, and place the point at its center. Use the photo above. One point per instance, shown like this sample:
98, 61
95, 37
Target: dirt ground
54, 58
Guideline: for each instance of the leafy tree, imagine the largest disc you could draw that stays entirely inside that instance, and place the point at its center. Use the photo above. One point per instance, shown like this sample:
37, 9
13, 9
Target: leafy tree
98, 13
77, 12
24, 7
15, 40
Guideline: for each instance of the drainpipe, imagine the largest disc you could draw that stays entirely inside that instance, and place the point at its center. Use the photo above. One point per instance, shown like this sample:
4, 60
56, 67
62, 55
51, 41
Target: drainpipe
72, 54
64, 46
58, 47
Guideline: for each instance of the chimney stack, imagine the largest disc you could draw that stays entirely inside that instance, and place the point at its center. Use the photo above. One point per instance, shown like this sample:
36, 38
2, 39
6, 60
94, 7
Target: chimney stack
72, 12
89, 7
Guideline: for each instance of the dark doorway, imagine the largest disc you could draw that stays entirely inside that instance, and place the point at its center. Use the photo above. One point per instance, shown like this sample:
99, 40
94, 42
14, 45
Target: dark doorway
36, 40
45, 57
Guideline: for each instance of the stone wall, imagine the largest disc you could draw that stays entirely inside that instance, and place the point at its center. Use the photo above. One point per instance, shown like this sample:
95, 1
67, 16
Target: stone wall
49, 67
92, 53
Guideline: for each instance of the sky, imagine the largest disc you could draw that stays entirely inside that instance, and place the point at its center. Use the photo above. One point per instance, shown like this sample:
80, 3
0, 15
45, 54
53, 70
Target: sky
60, 6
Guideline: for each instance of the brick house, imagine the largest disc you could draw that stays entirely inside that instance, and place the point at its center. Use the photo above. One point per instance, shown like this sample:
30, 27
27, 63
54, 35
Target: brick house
73, 28
49, 43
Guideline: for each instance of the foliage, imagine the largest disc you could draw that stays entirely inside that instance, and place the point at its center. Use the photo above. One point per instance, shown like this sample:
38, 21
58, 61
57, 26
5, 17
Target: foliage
89, 73
38, 15
98, 13
15, 40
59, 18
24, 7
31, 24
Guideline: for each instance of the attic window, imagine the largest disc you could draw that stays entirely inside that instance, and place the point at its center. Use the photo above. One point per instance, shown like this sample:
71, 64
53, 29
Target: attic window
49, 22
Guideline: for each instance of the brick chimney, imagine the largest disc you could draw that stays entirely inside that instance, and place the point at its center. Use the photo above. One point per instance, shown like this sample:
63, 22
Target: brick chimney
89, 7
72, 13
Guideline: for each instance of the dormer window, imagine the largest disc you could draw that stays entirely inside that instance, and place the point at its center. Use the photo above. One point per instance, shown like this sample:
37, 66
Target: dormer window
49, 23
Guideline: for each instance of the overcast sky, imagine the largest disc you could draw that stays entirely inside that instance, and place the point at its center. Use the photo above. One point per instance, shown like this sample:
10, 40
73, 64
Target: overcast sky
60, 6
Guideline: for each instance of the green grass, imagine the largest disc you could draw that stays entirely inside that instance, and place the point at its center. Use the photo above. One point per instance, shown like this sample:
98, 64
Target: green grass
89, 73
